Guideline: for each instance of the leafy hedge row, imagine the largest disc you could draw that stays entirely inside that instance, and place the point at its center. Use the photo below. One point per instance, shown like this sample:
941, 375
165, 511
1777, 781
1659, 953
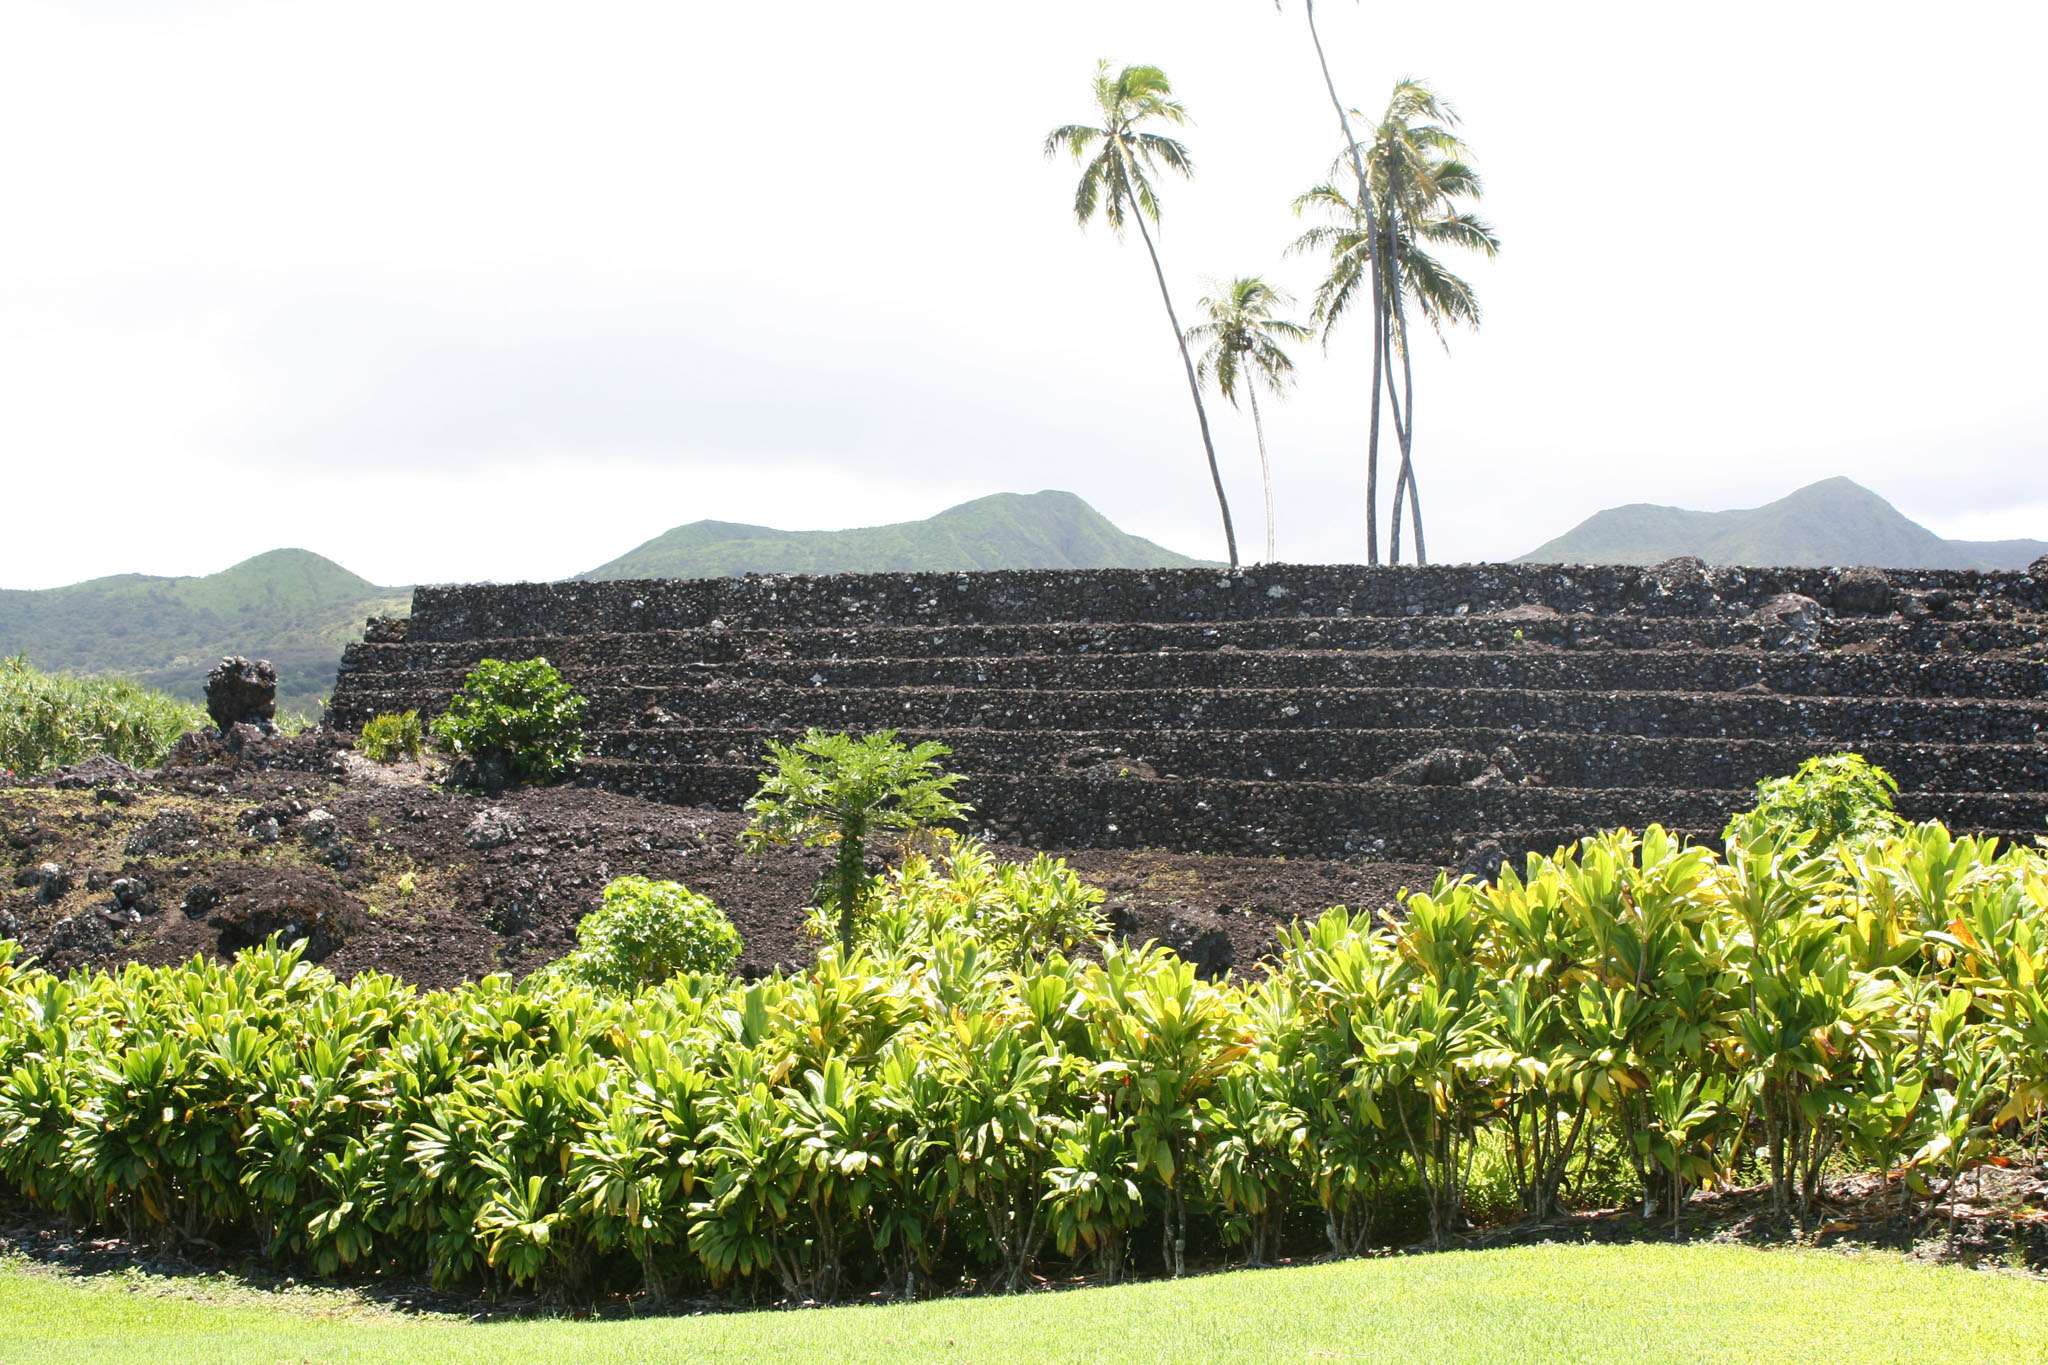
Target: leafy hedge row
960, 1096
48, 720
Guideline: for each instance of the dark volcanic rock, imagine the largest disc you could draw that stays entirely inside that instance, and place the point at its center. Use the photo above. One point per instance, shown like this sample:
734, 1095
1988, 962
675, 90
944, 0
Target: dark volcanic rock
1862, 592
1201, 937
245, 739
241, 691
1448, 767
445, 912
1789, 621
48, 880
490, 771
1528, 611
174, 831
133, 893
493, 827
294, 905
97, 771
1484, 860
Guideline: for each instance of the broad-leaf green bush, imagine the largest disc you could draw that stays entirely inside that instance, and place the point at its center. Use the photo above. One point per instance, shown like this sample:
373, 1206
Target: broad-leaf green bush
1017, 911
523, 713
392, 736
1838, 797
645, 932
957, 1101
48, 720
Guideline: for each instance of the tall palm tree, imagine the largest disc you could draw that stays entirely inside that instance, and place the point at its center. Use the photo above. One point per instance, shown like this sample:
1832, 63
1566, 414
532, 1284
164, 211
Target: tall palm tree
1417, 168
1244, 350
1116, 181
1364, 221
1416, 177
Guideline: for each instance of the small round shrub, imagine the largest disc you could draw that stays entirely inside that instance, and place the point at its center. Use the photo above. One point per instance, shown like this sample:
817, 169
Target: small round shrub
1841, 798
392, 736
645, 932
520, 711
1019, 912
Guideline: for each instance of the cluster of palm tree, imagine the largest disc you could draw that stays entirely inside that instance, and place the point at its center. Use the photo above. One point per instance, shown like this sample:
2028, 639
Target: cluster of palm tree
1408, 194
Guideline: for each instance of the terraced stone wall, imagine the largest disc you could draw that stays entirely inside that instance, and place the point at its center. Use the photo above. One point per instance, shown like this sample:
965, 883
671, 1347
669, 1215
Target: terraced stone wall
1311, 710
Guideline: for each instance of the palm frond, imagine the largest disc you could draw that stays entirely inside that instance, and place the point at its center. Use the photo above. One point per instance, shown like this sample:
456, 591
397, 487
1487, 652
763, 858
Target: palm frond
1440, 297
1155, 148
1073, 138
1467, 230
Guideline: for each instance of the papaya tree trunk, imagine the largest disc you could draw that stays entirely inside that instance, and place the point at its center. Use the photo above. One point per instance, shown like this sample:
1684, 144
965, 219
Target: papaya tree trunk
849, 870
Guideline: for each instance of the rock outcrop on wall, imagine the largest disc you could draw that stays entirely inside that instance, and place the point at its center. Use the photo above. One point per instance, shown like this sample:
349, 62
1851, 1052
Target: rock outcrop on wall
1326, 711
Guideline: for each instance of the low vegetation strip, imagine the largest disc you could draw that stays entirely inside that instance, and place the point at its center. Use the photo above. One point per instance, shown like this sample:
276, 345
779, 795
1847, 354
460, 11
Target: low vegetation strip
48, 720
1707, 1304
978, 1086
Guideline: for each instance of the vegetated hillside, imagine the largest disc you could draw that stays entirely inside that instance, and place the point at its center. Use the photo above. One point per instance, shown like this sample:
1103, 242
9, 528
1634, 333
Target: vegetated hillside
1835, 521
292, 607
1047, 530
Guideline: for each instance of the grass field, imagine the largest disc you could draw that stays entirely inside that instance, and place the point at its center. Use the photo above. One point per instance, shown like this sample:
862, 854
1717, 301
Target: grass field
1633, 1303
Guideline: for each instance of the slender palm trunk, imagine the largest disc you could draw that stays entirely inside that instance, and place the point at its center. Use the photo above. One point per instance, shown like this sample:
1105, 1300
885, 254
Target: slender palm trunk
1194, 385
1372, 441
1265, 469
1381, 339
1372, 450
1404, 405
1408, 442
1404, 429
1404, 484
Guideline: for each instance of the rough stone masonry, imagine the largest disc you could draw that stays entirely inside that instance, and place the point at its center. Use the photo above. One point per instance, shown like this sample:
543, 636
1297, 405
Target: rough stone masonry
1328, 711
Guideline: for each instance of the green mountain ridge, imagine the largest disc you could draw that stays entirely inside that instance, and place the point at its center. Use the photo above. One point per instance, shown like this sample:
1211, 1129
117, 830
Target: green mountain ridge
293, 607
1834, 522
1044, 530
298, 609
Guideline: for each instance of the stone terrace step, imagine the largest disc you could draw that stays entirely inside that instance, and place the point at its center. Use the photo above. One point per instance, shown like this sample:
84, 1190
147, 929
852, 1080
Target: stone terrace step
1262, 712
1840, 720
1314, 819
704, 645
1360, 756
1806, 674
557, 609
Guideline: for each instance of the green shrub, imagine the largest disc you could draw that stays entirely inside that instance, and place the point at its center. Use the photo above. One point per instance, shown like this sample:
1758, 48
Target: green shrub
645, 932
934, 1110
392, 736
1018, 911
521, 712
48, 720
834, 789
1838, 797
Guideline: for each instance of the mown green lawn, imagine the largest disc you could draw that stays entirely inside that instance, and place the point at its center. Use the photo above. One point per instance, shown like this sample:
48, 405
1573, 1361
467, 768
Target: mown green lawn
1726, 1305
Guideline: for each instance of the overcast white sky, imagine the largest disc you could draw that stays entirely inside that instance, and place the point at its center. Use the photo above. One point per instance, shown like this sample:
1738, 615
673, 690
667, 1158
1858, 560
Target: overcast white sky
498, 290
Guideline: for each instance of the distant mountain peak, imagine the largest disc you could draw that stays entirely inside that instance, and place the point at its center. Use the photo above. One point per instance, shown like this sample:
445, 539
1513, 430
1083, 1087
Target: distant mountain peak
1049, 529
291, 606
1836, 521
